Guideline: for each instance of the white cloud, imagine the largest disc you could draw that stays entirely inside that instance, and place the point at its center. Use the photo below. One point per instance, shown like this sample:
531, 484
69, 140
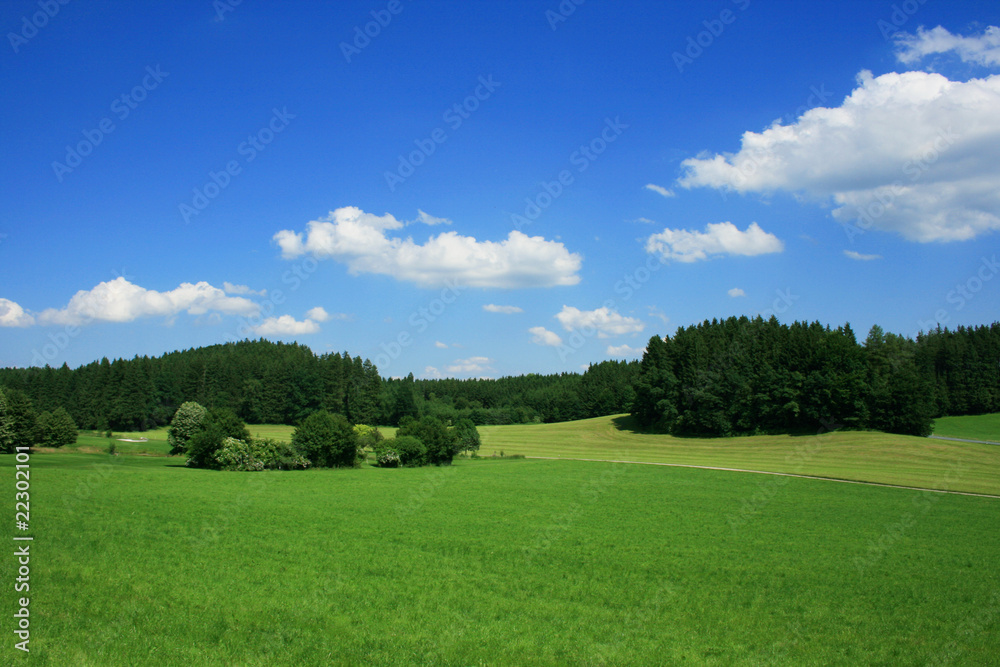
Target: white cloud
981, 49
506, 310
605, 321
358, 239
432, 373
318, 314
12, 315
911, 153
470, 365
428, 219
441, 346
625, 351
659, 189
657, 313
286, 325
645, 221
119, 300
735, 292
719, 238
542, 336
230, 288
858, 256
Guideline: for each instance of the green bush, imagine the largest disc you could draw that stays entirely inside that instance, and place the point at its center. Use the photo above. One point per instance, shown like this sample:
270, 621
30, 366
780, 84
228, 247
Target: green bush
327, 440
218, 425
186, 422
56, 428
386, 457
411, 450
258, 454
439, 441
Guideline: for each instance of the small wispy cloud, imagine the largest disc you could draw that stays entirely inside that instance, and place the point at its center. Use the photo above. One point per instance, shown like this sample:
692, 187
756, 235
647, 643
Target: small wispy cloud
659, 189
506, 310
860, 257
735, 292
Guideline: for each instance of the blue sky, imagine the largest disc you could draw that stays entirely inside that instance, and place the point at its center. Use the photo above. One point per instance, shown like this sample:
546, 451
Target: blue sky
489, 188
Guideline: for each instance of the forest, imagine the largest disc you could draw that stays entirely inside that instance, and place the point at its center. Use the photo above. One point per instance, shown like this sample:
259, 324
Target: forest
730, 377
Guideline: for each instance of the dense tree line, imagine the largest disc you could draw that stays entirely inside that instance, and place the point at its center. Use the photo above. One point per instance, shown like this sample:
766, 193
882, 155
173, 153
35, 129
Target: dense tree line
264, 382
260, 381
741, 376
603, 389
736, 376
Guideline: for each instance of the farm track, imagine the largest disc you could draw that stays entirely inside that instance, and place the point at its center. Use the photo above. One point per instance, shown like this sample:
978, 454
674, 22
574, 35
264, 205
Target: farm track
778, 474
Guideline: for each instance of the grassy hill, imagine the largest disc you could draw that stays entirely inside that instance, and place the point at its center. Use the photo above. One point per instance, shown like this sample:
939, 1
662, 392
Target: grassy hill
863, 456
977, 427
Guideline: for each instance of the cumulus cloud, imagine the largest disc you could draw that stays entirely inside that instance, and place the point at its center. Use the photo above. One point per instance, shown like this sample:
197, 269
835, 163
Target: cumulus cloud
625, 351
432, 373
428, 219
317, 314
735, 292
860, 257
605, 321
659, 189
720, 238
470, 365
506, 310
12, 315
286, 325
542, 336
911, 153
360, 240
983, 49
230, 288
441, 346
119, 300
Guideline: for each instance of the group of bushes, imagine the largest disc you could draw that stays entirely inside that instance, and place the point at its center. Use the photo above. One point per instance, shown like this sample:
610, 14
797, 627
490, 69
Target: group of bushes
218, 439
426, 441
22, 426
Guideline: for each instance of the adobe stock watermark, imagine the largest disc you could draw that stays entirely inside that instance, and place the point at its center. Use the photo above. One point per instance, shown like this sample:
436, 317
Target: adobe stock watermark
454, 116
59, 342
886, 196
900, 16
697, 44
580, 160
248, 150
561, 13
30, 26
963, 293
381, 18
293, 278
122, 106
419, 321
223, 7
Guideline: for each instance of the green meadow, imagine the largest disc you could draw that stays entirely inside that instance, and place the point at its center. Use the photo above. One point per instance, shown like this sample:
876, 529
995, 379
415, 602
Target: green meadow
979, 427
138, 560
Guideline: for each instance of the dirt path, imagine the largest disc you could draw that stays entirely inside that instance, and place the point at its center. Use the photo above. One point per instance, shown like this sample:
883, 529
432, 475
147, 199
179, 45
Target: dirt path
779, 474
978, 442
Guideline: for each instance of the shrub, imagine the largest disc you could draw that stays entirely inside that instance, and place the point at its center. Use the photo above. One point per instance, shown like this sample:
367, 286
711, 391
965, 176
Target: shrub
327, 440
186, 422
411, 450
218, 425
438, 439
56, 428
386, 458
466, 436
255, 455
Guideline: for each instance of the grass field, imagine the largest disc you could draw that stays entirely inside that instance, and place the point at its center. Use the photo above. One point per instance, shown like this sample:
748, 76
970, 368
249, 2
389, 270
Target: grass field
140, 561
979, 427
863, 456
